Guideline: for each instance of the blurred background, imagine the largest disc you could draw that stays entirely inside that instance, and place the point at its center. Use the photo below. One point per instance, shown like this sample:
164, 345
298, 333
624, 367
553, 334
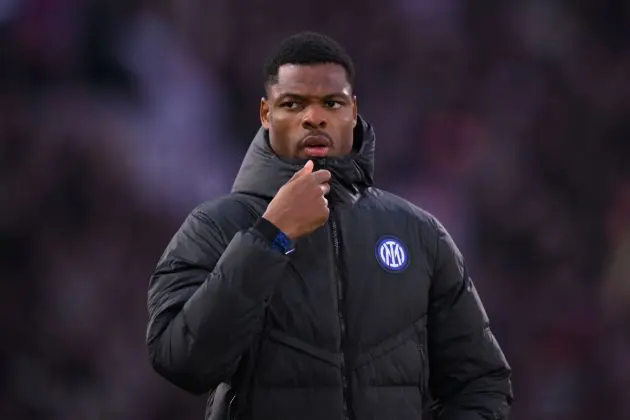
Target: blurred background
508, 120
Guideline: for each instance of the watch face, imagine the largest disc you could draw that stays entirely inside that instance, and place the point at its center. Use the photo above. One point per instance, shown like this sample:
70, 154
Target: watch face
283, 243
281, 240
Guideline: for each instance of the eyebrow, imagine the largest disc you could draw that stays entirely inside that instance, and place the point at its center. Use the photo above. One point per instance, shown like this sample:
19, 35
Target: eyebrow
290, 95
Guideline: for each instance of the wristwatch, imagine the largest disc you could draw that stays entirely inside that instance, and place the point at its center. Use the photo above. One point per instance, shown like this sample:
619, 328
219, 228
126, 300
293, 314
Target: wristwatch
282, 243
278, 239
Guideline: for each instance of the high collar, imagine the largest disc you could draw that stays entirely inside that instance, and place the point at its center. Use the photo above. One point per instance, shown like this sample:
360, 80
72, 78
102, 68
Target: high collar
263, 172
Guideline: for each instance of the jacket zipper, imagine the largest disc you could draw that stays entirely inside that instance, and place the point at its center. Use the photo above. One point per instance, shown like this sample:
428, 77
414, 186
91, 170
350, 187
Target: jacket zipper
342, 321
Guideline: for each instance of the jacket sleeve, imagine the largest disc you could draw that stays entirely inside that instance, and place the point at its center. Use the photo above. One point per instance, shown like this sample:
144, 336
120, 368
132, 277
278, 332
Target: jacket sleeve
469, 375
206, 300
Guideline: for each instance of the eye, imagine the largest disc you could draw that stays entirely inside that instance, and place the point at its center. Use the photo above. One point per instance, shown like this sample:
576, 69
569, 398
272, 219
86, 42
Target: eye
333, 104
293, 105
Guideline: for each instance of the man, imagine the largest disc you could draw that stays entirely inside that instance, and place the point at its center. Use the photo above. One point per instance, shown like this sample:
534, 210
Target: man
309, 294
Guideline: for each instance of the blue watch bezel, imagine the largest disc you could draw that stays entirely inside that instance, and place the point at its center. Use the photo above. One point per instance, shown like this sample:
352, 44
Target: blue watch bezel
282, 243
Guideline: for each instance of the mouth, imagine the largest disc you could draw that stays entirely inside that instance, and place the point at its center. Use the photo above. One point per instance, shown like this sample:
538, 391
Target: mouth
317, 145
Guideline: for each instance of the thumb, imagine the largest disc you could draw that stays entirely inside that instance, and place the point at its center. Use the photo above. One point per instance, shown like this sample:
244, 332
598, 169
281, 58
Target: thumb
306, 169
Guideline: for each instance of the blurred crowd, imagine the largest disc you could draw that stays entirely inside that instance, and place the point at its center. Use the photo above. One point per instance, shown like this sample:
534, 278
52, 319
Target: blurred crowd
507, 120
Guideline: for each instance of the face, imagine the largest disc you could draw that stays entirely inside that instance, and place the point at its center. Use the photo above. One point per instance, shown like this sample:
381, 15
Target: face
310, 112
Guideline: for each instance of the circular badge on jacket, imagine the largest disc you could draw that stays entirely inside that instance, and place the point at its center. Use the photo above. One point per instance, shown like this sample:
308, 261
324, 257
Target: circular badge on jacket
392, 254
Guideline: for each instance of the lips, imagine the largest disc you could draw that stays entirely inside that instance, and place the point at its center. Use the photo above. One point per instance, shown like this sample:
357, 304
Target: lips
316, 140
316, 145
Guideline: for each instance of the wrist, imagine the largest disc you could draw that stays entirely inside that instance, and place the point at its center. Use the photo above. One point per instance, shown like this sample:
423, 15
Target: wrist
278, 223
278, 239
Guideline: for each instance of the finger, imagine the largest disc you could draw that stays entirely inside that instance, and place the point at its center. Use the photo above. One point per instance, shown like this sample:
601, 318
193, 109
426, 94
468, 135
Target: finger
325, 188
322, 176
306, 169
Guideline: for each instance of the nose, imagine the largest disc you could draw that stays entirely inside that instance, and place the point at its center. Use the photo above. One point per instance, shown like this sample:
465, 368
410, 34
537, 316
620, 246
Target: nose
314, 118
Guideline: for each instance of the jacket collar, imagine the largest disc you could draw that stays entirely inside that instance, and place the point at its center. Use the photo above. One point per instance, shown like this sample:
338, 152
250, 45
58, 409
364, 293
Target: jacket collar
263, 172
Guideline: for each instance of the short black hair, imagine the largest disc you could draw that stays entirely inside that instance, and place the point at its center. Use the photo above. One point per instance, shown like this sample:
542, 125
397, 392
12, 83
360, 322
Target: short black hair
307, 48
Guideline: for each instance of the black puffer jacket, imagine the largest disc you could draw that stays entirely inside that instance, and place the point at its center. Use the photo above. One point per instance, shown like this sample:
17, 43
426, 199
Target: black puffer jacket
373, 316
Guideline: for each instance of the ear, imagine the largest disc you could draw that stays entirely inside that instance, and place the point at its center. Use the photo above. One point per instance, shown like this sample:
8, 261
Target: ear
355, 111
264, 113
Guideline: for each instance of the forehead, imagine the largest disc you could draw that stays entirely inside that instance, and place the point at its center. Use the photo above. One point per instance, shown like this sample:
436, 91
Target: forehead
316, 80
